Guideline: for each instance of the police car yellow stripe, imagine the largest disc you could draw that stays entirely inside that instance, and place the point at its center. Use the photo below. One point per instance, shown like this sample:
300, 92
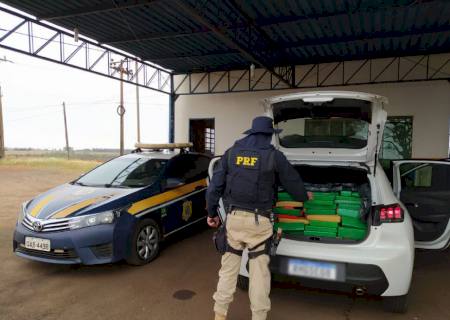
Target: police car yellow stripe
78, 206
165, 197
38, 207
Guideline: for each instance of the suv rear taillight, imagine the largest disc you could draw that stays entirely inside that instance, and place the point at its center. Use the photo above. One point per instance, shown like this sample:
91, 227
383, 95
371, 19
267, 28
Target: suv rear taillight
388, 214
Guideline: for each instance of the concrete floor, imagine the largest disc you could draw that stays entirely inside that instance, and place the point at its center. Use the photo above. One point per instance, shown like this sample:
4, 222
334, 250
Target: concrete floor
30, 290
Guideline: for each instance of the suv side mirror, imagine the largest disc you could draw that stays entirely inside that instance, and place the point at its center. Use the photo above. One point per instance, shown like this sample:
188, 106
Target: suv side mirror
173, 183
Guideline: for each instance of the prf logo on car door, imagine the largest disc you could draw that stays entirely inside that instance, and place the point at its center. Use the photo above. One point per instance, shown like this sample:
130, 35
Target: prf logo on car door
187, 210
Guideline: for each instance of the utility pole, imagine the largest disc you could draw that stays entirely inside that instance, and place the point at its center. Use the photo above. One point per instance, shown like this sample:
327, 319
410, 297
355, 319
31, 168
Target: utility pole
121, 108
2, 136
2, 131
138, 111
67, 134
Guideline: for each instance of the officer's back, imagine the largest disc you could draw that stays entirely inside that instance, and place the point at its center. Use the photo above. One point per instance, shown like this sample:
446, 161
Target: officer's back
249, 173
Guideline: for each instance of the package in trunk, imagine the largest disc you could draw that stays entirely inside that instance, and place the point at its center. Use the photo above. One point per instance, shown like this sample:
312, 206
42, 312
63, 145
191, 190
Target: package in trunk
328, 215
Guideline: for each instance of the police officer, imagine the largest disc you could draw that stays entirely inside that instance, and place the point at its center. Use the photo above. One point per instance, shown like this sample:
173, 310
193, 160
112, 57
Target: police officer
247, 179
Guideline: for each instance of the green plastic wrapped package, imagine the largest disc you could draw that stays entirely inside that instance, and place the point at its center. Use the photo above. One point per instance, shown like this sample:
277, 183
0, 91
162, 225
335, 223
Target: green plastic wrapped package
284, 196
321, 229
351, 233
353, 213
320, 234
327, 224
324, 196
320, 211
287, 227
350, 205
320, 202
291, 212
353, 223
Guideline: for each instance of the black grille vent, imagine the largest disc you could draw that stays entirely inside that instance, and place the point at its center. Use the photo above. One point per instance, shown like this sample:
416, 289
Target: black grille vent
103, 250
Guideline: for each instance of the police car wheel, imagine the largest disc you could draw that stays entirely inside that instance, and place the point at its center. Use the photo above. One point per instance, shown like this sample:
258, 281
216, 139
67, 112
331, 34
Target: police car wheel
242, 283
145, 243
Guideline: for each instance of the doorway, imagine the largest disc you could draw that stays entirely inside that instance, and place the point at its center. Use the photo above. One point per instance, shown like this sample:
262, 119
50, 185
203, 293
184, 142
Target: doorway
202, 134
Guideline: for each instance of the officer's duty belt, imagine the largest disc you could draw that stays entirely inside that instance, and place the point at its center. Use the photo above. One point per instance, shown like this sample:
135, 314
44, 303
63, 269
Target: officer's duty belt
262, 213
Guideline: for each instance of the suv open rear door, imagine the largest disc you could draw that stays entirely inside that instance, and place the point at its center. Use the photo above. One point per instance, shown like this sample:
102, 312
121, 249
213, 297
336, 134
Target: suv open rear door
424, 188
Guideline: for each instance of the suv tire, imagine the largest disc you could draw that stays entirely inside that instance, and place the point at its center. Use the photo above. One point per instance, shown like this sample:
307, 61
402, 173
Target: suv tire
144, 243
242, 283
396, 304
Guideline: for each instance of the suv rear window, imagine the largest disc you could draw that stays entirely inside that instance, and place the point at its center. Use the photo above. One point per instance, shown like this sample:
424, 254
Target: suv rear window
340, 123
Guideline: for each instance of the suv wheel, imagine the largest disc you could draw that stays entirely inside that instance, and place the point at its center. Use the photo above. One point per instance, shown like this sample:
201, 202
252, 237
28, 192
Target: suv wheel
144, 243
396, 304
242, 283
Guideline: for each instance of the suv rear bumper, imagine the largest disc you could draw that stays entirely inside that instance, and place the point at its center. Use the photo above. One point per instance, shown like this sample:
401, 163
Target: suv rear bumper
366, 277
390, 247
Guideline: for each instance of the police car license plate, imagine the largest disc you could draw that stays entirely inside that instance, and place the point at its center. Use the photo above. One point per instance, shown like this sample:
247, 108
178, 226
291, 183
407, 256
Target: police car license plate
312, 269
37, 244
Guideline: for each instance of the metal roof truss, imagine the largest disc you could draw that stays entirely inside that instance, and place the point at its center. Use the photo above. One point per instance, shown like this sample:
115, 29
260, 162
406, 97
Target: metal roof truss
32, 37
344, 73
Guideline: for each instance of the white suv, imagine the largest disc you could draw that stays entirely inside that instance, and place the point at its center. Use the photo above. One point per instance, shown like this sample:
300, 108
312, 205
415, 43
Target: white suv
333, 139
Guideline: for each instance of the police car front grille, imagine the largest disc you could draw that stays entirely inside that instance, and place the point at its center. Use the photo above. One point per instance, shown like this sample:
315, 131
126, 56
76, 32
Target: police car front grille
47, 225
53, 254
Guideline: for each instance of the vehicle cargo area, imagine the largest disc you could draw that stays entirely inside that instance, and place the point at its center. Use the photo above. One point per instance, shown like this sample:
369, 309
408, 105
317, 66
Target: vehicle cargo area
338, 212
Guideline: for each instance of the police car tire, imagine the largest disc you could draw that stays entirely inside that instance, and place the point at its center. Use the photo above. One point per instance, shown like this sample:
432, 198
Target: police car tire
396, 304
134, 258
242, 283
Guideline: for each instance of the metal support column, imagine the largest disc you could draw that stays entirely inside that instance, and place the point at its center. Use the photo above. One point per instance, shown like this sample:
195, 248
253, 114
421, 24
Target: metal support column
172, 98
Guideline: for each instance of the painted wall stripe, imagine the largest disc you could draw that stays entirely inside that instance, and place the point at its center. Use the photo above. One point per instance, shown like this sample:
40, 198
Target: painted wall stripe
165, 197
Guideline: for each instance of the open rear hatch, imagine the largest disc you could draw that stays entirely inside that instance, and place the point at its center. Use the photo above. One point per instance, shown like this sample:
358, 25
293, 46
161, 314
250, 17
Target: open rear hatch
329, 125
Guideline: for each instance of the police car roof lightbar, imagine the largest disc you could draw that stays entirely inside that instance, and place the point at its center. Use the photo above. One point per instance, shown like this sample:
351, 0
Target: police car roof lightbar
163, 146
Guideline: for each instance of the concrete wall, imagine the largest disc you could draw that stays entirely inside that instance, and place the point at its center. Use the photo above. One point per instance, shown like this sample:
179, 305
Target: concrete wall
427, 102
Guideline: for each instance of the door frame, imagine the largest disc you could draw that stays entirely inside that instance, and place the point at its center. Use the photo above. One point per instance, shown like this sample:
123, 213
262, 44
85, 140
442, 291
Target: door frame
213, 119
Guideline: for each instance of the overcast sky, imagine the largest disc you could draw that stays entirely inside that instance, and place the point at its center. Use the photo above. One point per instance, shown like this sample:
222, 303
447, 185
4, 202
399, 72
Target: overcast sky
33, 92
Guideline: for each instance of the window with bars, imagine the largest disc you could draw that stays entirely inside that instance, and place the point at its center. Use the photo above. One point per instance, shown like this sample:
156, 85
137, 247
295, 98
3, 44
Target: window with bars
203, 135
210, 140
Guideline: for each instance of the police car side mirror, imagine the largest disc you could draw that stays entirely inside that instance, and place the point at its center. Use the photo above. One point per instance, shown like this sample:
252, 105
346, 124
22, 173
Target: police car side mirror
173, 183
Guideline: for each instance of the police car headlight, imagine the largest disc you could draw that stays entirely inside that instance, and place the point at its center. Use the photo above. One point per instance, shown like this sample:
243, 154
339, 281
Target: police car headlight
22, 212
106, 217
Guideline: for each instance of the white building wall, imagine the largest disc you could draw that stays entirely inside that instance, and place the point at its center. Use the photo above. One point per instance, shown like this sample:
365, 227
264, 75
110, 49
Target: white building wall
427, 102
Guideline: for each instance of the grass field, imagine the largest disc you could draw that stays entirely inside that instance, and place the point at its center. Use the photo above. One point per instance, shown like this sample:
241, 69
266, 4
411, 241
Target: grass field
49, 162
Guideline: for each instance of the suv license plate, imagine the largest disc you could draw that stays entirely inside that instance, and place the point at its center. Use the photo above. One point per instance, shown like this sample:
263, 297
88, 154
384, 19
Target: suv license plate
37, 244
312, 269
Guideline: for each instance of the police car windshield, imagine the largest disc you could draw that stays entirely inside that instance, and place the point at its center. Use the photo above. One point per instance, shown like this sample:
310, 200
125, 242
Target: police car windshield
124, 172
